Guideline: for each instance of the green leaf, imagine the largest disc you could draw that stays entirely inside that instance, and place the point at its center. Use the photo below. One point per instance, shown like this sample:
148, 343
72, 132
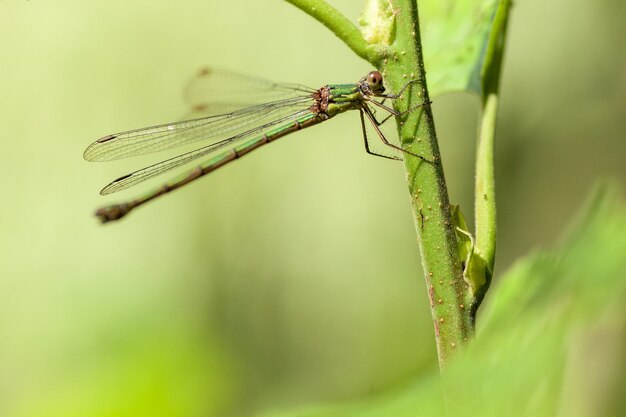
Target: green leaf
455, 39
475, 271
461, 40
552, 340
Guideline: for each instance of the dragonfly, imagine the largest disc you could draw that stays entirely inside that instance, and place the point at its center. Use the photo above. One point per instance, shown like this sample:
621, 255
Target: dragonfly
244, 113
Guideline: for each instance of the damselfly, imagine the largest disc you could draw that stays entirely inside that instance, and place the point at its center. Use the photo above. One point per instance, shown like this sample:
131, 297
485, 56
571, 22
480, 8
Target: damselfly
234, 130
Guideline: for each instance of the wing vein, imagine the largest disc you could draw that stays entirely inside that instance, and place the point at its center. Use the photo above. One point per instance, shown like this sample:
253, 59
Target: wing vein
159, 168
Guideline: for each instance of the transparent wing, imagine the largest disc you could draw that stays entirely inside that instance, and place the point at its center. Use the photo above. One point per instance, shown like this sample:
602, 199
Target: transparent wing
215, 128
215, 90
151, 171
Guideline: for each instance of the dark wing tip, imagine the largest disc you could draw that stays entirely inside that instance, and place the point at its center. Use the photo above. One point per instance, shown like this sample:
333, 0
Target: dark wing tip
106, 138
112, 186
93, 151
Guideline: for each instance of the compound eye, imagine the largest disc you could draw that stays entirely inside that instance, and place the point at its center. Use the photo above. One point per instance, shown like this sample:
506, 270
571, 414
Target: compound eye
375, 79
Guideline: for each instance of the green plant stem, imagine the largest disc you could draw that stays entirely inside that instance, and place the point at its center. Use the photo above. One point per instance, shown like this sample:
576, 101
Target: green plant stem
485, 190
339, 25
448, 293
400, 62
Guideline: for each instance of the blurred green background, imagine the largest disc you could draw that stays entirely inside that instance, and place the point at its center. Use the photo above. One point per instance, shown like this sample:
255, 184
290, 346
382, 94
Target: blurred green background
291, 277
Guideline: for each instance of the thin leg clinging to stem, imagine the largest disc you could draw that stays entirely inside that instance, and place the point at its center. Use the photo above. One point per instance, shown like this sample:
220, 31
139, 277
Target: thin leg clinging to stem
381, 135
392, 111
399, 93
366, 141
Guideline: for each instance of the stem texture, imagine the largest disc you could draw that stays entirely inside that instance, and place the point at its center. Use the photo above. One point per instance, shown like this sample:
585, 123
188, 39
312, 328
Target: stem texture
447, 290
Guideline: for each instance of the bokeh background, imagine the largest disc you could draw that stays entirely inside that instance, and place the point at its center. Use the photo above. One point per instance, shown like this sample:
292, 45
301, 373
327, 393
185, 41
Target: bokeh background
288, 278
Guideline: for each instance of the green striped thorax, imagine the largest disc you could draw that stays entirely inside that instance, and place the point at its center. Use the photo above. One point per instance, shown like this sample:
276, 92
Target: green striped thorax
334, 99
